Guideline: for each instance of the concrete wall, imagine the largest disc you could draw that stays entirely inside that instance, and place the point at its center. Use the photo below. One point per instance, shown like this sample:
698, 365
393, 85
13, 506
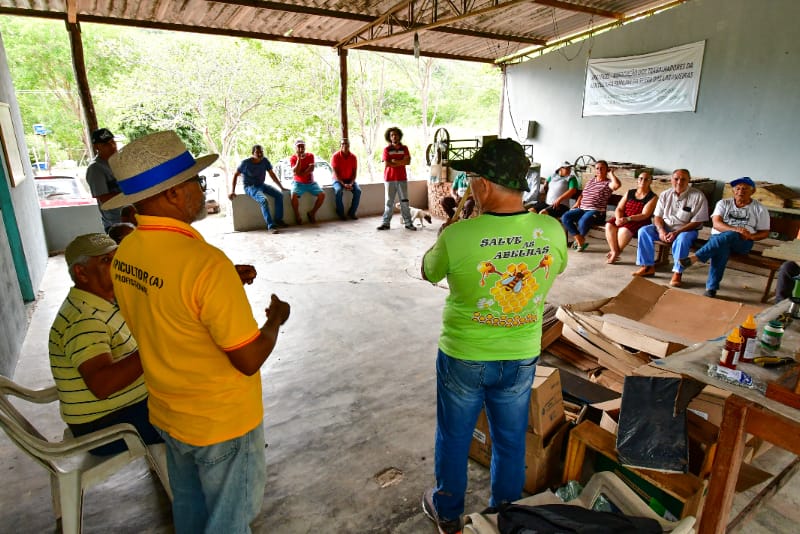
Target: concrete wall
746, 122
21, 218
62, 225
247, 213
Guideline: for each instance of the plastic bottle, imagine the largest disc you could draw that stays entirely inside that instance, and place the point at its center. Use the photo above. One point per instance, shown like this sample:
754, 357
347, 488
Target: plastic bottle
748, 332
730, 352
771, 335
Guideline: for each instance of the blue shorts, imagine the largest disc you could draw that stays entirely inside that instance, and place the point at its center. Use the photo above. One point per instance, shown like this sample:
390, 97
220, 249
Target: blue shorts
300, 189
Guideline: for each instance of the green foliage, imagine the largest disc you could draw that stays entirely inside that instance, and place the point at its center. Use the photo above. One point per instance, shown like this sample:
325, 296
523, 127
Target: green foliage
225, 94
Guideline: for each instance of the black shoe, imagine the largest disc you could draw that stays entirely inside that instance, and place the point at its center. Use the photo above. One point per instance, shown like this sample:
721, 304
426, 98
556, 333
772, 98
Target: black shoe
411, 227
353, 216
384, 226
342, 217
710, 293
280, 224
445, 527
685, 262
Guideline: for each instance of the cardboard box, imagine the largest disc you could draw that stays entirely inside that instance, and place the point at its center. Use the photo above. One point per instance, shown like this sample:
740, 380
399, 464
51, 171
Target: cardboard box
547, 403
609, 417
655, 319
542, 454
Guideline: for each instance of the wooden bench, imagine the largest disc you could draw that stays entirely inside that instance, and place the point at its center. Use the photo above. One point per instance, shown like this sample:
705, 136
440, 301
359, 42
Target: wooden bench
783, 226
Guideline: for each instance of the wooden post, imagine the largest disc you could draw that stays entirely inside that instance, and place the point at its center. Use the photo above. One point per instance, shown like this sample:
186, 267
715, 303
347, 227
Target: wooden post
343, 90
79, 68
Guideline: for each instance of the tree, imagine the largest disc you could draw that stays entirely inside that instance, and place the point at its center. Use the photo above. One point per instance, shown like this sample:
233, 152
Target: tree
40, 61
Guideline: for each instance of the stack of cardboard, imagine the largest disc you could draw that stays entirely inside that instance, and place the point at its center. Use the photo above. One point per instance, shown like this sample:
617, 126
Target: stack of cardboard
610, 338
547, 428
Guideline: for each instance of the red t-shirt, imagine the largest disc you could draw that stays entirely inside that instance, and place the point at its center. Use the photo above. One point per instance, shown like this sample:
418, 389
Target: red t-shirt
391, 153
306, 162
345, 166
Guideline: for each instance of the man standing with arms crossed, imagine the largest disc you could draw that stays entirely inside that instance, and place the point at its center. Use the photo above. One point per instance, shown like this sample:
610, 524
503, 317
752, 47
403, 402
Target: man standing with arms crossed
255, 169
199, 344
499, 267
345, 168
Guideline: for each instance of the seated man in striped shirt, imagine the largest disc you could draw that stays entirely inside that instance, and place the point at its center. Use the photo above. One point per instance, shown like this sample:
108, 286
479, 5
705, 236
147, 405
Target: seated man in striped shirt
93, 356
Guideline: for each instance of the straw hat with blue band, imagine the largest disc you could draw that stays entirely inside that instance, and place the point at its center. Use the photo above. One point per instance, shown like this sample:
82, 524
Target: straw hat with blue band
152, 164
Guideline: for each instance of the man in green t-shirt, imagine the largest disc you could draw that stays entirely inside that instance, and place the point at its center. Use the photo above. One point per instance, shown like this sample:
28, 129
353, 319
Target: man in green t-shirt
499, 267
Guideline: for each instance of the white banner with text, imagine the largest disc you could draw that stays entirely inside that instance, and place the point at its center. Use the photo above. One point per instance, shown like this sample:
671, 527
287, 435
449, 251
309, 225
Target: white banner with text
661, 82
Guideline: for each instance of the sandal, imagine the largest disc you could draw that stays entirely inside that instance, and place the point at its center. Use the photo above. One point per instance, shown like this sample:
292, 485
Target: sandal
582, 247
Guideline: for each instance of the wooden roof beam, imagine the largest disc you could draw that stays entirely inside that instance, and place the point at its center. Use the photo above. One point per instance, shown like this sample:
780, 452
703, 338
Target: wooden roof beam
568, 6
383, 28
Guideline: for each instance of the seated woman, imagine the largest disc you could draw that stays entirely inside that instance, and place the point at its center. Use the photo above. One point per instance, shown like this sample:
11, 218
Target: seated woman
559, 188
590, 208
633, 211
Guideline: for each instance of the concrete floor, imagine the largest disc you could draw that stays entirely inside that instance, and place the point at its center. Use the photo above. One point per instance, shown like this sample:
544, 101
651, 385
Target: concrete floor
348, 393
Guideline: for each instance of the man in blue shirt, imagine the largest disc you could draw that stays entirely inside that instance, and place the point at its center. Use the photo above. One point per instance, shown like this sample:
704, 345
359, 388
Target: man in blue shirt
255, 169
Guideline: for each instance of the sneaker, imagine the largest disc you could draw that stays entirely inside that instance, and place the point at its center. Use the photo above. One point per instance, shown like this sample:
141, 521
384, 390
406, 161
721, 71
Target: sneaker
342, 217
411, 227
445, 527
274, 230
710, 293
384, 226
281, 224
353, 216
685, 262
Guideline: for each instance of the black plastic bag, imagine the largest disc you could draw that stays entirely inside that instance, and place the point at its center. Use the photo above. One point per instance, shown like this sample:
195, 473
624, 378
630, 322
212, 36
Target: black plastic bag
567, 519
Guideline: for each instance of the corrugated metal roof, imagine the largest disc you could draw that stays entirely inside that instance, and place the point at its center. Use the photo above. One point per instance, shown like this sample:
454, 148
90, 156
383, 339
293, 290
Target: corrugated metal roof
473, 30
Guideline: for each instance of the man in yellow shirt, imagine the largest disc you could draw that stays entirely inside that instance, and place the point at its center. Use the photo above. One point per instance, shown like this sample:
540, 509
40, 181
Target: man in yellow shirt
200, 346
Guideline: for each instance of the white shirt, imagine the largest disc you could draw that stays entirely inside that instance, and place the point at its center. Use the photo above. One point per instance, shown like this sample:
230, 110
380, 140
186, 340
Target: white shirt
754, 217
678, 210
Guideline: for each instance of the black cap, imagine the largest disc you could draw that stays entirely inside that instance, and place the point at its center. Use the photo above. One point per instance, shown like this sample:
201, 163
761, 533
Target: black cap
102, 135
502, 161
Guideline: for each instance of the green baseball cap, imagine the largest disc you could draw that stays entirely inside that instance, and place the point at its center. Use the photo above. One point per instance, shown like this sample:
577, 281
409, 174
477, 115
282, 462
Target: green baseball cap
502, 161
88, 245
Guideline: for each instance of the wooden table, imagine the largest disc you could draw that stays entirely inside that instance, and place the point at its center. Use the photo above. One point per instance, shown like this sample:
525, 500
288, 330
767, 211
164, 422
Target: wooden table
746, 411
790, 250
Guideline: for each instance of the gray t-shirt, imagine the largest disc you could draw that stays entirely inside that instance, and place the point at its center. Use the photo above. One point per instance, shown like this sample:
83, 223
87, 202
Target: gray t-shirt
101, 181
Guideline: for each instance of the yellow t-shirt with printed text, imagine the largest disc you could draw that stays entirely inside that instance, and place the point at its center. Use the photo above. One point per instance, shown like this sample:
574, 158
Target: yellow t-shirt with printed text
185, 305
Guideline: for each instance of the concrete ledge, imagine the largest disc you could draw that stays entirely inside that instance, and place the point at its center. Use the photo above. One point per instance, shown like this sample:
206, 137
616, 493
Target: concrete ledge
247, 213
63, 224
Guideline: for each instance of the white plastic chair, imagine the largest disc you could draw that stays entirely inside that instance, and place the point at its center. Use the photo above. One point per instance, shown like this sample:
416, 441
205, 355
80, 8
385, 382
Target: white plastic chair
72, 468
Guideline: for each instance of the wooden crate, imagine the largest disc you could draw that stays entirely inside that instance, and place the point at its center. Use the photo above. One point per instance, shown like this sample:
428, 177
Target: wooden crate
771, 195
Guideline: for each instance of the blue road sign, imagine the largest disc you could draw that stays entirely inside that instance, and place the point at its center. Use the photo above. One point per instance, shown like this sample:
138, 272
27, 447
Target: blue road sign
39, 129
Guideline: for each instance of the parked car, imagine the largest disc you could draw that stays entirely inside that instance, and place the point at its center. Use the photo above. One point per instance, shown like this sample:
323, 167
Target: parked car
58, 191
323, 172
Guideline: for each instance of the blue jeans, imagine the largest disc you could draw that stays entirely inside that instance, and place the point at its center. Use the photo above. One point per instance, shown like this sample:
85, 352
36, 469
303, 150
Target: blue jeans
579, 222
718, 249
463, 387
338, 191
135, 414
259, 193
216, 488
646, 249
399, 189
